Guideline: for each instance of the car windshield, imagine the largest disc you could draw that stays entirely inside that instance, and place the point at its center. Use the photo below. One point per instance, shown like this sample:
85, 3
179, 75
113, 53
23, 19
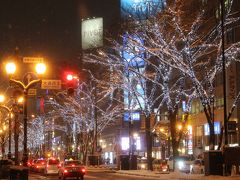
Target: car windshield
183, 158
142, 160
41, 161
53, 161
69, 163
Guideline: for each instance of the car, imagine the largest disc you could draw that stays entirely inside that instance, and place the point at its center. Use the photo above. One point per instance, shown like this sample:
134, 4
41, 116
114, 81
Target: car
70, 169
39, 165
5, 165
52, 166
197, 167
160, 165
142, 164
182, 163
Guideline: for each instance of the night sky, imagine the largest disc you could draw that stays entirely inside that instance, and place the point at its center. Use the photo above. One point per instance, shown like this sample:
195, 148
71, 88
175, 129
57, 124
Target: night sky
39, 27
48, 28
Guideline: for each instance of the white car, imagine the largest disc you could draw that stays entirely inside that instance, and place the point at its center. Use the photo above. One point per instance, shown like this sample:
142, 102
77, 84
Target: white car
197, 167
52, 166
182, 163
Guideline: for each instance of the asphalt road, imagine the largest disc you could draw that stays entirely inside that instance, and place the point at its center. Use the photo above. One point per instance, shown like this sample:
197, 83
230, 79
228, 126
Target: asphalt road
91, 176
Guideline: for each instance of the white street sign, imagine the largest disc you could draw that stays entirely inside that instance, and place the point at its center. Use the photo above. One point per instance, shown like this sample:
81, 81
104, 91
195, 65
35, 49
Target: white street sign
51, 84
32, 92
32, 59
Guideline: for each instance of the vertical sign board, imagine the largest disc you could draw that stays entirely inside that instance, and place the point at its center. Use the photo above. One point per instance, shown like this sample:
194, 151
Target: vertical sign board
92, 33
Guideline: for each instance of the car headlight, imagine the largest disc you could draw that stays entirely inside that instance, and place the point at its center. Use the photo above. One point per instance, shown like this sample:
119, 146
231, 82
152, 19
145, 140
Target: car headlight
143, 166
180, 164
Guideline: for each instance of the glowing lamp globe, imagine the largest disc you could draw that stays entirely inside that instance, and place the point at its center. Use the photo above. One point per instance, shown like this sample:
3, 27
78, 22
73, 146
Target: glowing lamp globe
2, 98
41, 68
10, 68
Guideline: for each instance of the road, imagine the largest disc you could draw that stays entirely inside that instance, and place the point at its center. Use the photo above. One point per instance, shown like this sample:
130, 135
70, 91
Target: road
93, 176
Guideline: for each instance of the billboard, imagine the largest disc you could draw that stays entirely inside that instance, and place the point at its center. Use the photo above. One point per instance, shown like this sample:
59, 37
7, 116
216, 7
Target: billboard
141, 9
92, 33
135, 116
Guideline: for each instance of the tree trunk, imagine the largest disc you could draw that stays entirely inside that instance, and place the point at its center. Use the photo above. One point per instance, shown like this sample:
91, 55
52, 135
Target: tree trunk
16, 137
173, 123
149, 142
211, 136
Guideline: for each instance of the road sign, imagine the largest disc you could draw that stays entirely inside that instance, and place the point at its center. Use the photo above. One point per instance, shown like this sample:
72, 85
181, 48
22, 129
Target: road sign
32, 59
32, 92
28, 77
51, 84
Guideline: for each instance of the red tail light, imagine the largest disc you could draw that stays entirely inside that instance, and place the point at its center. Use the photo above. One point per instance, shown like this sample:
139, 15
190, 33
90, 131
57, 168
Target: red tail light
37, 166
59, 165
65, 171
83, 170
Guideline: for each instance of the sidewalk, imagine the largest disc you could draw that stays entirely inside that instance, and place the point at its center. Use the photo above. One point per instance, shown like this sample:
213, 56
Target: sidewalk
173, 175
104, 168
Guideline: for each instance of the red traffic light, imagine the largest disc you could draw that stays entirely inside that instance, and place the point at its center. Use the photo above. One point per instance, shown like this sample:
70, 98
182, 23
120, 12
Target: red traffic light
69, 77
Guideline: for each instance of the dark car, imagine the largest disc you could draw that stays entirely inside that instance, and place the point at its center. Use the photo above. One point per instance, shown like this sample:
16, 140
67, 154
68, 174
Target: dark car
39, 165
5, 167
70, 169
160, 165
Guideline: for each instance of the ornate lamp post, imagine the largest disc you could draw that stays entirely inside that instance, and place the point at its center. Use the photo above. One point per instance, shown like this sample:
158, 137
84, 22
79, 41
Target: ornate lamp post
10, 69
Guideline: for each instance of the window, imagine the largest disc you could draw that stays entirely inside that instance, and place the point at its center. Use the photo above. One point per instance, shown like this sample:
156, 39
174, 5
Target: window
53, 161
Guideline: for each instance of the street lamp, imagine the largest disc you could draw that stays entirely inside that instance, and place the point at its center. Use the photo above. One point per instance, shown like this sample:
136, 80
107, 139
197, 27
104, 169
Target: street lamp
10, 69
9, 110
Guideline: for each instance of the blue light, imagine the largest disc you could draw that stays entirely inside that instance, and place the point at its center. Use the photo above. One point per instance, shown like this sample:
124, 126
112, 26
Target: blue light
135, 116
133, 52
217, 128
141, 9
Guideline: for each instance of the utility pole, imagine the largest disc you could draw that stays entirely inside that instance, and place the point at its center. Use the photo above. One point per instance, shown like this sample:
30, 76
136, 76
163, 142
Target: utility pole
224, 75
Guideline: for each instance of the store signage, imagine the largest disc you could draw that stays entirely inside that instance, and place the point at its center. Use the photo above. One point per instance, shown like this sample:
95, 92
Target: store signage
92, 33
190, 140
141, 9
135, 116
217, 128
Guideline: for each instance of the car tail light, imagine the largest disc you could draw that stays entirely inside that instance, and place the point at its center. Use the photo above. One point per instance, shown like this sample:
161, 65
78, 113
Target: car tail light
59, 165
83, 170
37, 166
65, 171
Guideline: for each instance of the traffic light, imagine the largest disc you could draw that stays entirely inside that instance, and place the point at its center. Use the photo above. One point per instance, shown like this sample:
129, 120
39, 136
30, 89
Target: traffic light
69, 77
71, 81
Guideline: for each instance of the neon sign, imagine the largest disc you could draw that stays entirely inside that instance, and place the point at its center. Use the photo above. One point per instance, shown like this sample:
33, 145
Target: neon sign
141, 9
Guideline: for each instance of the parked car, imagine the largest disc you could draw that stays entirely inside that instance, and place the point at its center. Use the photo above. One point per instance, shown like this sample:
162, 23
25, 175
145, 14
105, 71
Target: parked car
182, 163
142, 164
31, 164
39, 165
51, 166
70, 169
5, 165
197, 167
160, 165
